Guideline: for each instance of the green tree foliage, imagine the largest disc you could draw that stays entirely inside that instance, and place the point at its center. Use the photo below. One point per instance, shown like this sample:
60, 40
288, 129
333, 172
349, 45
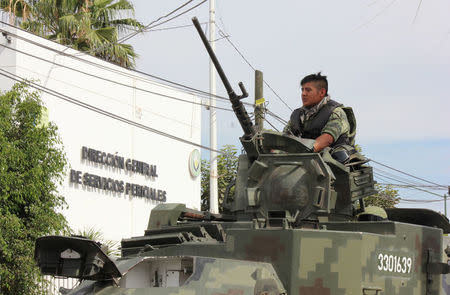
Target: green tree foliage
31, 167
111, 248
227, 162
87, 25
387, 197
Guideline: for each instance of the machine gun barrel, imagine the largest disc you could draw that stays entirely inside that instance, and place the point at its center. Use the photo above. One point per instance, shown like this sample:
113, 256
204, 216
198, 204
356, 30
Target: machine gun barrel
237, 105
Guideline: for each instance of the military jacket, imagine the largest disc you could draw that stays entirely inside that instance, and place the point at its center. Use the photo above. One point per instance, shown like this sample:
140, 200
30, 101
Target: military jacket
330, 118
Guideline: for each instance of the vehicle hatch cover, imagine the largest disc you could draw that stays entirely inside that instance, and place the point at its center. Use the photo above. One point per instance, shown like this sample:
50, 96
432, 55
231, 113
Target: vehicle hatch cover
419, 216
73, 257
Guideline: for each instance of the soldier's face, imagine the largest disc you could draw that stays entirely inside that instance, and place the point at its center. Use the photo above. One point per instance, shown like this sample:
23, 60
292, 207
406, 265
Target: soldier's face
311, 95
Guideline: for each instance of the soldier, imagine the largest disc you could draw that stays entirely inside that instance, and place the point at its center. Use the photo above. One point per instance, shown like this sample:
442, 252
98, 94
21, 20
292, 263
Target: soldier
321, 118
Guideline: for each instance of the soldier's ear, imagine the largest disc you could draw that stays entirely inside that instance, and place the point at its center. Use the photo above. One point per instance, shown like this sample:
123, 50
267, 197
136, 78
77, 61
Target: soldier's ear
322, 92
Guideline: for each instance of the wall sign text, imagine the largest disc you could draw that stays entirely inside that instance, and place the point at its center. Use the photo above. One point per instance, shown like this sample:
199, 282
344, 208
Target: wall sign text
114, 185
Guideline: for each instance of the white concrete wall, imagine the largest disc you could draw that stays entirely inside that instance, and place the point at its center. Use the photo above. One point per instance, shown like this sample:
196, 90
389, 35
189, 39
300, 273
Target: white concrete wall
117, 215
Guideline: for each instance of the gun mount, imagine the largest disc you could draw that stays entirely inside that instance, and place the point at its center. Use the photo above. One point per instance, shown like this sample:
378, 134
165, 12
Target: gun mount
280, 178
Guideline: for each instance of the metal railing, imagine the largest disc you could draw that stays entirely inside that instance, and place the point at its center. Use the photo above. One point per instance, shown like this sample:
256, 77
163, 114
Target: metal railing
52, 285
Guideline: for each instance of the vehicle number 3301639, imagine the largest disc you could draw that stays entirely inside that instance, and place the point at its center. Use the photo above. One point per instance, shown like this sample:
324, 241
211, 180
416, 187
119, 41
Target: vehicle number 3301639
394, 263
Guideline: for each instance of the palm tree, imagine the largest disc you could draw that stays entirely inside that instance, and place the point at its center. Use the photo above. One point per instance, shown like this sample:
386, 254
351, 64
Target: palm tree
91, 26
111, 248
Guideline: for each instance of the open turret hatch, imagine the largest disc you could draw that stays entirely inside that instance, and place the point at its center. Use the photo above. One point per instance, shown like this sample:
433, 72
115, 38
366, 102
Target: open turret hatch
73, 257
419, 216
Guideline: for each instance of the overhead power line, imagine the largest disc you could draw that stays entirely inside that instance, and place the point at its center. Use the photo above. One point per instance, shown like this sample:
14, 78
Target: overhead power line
410, 175
174, 27
413, 185
420, 201
410, 200
281, 120
417, 12
202, 93
227, 37
265, 119
98, 110
397, 176
416, 188
168, 14
115, 82
377, 15
151, 26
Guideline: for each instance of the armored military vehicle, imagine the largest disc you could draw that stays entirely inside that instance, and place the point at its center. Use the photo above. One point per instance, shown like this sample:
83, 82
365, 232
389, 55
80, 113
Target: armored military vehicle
295, 224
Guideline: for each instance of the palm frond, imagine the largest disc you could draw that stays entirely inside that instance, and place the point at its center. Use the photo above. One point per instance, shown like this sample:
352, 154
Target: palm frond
68, 24
129, 22
102, 3
111, 248
87, 25
121, 5
108, 35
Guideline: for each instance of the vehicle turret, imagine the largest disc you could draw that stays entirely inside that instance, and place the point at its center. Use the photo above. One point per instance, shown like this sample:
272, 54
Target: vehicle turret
281, 178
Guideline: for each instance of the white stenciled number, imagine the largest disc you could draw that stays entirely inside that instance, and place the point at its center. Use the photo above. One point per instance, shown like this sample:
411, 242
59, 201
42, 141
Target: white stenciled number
404, 264
386, 262
380, 261
394, 263
398, 267
391, 263
409, 263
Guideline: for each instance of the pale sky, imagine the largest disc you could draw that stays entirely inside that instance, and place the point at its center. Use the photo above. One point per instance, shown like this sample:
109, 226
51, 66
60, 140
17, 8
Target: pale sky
391, 65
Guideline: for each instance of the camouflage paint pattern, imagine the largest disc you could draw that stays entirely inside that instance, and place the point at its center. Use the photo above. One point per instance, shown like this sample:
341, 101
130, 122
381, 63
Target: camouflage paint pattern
336, 262
211, 276
333, 260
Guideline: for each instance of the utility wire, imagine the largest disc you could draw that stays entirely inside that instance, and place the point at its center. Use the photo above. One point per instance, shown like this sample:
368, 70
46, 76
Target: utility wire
410, 200
181, 86
420, 201
413, 185
410, 175
417, 12
227, 37
149, 26
265, 119
377, 15
167, 15
173, 28
382, 173
98, 110
129, 36
115, 82
396, 176
275, 117
202, 93
416, 188
281, 120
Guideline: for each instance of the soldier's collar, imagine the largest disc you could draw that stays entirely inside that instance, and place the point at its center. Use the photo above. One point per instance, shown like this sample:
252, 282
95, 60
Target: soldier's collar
308, 112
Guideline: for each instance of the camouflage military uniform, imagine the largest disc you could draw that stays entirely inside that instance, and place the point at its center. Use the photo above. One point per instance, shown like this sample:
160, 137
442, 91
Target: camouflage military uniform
337, 124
